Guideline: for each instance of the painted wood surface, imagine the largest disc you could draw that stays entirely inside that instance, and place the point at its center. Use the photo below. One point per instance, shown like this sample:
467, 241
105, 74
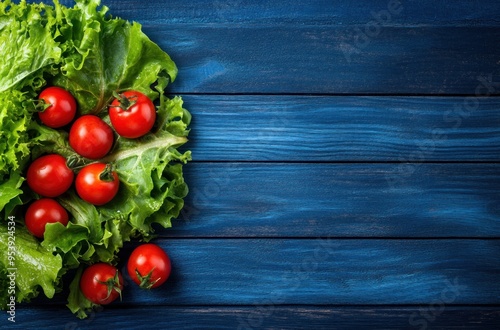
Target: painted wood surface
325, 47
330, 60
340, 200
346, 168
321, 271
271, 317
328, 129
313, 12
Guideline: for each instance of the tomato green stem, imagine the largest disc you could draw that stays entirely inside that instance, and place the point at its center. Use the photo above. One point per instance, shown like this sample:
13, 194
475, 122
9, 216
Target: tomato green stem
75, 163
41, 105
125, 102
112, 284
146, 282
107, 174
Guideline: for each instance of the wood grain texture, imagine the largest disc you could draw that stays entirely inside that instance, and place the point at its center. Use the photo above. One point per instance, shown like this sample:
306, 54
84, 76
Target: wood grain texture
341, 200
284, 47
267, 317
312, 12
346, 168
309, 128
321, 271
330, 60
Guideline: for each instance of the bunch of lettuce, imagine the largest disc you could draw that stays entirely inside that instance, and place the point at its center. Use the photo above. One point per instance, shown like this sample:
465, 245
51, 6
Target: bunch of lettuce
91, 54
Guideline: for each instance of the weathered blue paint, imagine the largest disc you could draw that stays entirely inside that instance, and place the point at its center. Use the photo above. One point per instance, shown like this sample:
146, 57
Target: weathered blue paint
321, 271
328, 129
340, 200
312, 12
302, 59
269, 316
313, 205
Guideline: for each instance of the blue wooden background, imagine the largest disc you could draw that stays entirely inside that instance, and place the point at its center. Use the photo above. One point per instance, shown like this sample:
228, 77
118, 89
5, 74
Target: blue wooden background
346, 168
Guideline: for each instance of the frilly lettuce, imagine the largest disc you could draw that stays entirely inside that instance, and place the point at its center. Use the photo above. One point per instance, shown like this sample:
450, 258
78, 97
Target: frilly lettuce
32, 259
106, 54
92, 55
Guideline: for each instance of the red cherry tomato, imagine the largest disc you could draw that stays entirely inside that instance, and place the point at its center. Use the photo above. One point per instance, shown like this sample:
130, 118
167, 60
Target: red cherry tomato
62, 107
101, 283
149, 266
97, 184
91, 137
49, 175
42, 212
132, 114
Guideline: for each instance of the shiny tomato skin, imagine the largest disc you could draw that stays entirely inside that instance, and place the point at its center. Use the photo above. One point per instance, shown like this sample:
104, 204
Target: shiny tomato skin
91, 137
152, 263
62, 107
92, 188
101, 283
49, 175
42, 212
134, 120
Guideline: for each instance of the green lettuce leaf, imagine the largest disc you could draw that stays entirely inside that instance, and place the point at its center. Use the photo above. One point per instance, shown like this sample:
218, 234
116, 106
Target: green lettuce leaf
77, 303
27, 43
34, 266
92, 54
29, 52
13, 124
107, 55
10, 189
151, 191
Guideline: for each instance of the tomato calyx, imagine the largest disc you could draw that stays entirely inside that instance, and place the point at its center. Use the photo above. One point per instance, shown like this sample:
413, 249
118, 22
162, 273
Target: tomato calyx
125, 102
112, 284
41, 105
75, 162
146, 282
107, 174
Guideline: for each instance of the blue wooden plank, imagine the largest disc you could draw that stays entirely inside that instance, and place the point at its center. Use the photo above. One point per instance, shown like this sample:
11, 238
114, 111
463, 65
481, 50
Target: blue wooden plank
268, 316
341, 200
326, 47
321, 271
419, 55
314, 12
308, 128
330, 60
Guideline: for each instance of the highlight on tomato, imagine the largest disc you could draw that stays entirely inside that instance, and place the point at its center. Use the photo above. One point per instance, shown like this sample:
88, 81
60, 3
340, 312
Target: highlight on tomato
132, 114
101, 283
60, 107
149, 266
49, 175
44, 211
97, 183
91, 137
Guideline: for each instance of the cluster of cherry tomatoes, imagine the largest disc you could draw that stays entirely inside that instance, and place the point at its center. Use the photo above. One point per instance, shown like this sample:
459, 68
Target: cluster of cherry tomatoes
132, 115
148, 266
